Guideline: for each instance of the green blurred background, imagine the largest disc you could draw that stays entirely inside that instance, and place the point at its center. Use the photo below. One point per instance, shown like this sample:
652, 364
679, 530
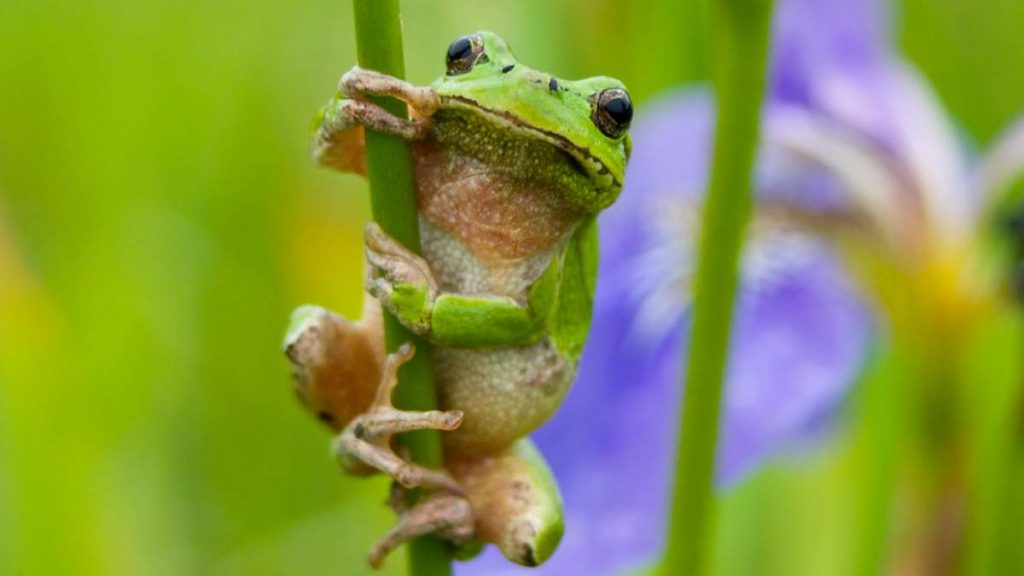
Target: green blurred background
160, 217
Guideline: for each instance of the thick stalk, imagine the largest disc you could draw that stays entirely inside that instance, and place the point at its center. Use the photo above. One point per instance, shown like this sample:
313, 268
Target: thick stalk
739, 30
393, 201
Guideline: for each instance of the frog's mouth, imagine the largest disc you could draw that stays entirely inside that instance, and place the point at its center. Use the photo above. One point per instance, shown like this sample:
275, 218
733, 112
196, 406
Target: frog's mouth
588, 164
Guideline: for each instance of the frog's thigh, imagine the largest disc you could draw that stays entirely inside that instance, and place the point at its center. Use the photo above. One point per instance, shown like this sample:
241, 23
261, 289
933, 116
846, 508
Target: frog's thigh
515, 500
337, 364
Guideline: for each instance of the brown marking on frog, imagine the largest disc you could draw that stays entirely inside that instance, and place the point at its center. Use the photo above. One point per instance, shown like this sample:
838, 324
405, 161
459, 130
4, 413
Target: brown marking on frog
495, 214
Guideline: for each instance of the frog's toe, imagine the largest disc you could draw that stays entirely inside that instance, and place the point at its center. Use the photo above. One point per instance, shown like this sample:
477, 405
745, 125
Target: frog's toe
360, 83
449, 516
413, 476
389, 258
366, 440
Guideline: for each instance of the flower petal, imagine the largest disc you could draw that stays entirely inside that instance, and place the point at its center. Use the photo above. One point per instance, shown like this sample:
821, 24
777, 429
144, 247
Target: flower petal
798, 140
1001, 167
813, 38
833, 58
926, 144
798, 345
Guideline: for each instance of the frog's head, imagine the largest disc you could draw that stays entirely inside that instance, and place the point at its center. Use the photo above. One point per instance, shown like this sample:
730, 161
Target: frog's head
588, 119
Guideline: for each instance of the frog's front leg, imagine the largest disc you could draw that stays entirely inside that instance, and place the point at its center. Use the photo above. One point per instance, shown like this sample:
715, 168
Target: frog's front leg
404, 284
338, 138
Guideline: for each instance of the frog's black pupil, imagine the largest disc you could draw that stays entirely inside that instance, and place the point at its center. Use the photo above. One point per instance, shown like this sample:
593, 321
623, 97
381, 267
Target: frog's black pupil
460, 50
620, 110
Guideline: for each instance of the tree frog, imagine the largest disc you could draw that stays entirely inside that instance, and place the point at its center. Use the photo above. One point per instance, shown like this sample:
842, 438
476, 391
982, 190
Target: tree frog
512, 166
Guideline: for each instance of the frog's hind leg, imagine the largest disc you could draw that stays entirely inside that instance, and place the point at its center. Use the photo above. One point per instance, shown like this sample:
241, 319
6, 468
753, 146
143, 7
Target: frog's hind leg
515, 500
339, 137
343, 376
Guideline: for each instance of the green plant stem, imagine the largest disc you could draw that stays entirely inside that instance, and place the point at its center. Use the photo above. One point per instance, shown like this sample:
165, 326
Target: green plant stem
739, 31
393, 200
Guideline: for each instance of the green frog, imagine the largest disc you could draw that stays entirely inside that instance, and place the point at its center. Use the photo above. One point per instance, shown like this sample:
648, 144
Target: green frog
512, 166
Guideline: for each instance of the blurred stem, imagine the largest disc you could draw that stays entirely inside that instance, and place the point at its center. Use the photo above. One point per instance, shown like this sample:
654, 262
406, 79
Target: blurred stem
881, 402
1007, 554
393, 200
740, 45
992, 405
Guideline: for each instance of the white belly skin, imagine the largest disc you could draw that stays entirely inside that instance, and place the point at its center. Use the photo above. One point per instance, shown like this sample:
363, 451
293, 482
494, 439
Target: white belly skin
505, 393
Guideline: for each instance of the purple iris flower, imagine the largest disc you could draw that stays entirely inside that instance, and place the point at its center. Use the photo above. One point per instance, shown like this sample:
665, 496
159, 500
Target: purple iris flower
851, 139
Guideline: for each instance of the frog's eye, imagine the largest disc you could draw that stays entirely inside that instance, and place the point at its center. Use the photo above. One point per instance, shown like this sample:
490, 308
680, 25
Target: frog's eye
613, 111
463, 54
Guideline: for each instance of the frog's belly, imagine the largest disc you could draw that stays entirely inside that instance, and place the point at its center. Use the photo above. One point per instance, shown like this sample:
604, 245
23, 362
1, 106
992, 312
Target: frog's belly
505, 393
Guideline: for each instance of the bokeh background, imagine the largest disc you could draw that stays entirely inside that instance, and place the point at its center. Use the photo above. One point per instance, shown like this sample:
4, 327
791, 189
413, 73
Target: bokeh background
160, 217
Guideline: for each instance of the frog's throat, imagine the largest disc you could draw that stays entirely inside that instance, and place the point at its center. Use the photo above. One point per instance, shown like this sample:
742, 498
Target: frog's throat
596, 168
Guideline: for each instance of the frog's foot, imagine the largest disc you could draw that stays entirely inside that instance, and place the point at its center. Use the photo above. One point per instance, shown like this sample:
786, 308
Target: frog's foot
362, 84
399, 279
367, 438
450, 516
338, 141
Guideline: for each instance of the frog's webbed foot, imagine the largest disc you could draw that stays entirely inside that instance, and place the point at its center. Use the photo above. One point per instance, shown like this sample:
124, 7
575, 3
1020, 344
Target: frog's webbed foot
400, 280
450, 516
367, 438
338, 139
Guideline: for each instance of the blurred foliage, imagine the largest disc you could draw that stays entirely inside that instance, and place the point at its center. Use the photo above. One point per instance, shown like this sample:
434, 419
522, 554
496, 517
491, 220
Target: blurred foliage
970, 51
159, 219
